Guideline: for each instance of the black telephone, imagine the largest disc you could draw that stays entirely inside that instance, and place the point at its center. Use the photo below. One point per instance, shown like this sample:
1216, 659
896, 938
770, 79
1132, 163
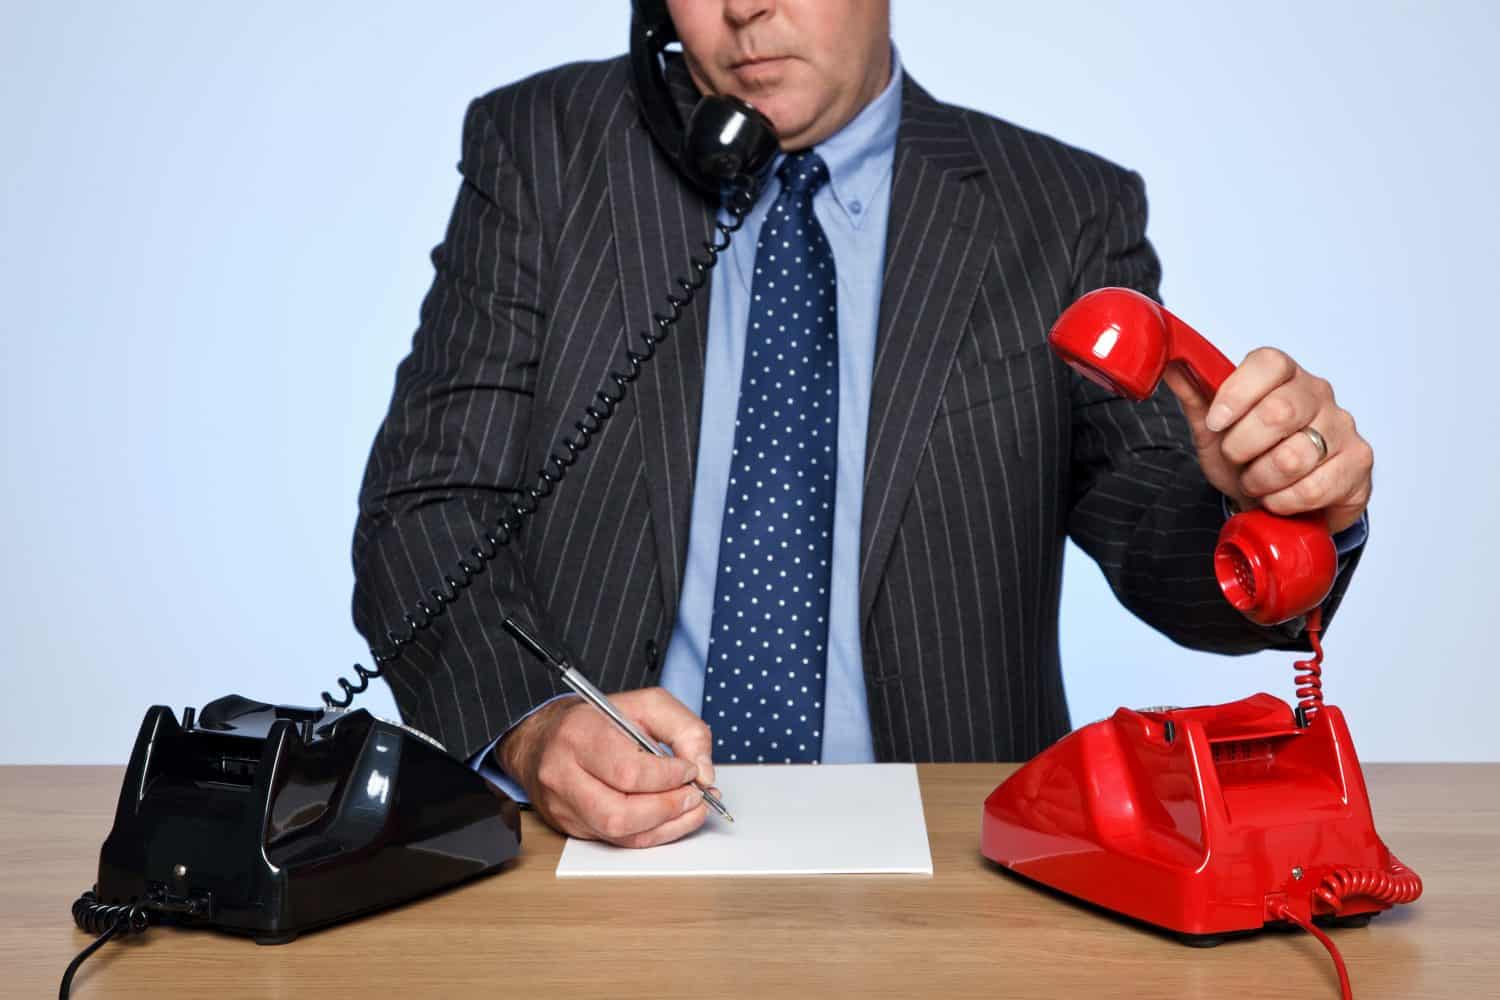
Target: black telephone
270, 820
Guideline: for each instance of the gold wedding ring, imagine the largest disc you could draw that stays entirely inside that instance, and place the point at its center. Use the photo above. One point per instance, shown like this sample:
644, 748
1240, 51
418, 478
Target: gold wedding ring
1317, 440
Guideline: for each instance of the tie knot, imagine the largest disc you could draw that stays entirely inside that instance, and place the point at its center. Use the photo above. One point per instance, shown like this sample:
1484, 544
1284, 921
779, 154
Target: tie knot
803, 172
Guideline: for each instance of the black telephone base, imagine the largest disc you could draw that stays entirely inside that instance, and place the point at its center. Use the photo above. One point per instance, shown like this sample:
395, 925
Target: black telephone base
271, 820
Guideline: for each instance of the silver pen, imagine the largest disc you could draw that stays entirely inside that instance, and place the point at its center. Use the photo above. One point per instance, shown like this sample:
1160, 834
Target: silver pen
595, 697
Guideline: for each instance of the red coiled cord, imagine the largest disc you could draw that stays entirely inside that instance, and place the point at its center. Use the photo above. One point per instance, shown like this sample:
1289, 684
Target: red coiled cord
1396, 884
1310, 676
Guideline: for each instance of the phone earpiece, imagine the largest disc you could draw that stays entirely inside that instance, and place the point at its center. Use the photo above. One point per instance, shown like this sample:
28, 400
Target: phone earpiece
728, 139
1271, 568
1122, 340
724, 140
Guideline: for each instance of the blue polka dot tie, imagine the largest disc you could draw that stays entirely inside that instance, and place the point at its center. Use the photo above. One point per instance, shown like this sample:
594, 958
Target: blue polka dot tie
768, 647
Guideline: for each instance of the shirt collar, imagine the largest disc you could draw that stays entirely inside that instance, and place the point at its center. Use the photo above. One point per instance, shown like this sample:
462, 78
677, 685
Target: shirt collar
860, 154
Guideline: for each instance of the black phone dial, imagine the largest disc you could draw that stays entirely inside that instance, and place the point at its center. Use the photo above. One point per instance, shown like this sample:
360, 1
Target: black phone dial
270, 820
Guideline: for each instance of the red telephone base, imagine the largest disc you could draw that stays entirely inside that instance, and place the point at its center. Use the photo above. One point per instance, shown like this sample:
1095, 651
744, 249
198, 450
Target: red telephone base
1204, 820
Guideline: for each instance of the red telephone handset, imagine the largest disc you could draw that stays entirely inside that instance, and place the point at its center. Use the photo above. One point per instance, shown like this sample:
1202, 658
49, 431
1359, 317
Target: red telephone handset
1215, 819
1271, 568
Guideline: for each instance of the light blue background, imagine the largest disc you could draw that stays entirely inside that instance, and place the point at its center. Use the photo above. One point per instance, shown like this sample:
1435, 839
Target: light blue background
216, 223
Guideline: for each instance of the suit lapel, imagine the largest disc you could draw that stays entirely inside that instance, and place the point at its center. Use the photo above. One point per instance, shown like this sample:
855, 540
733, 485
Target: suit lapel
938, 238
659, 222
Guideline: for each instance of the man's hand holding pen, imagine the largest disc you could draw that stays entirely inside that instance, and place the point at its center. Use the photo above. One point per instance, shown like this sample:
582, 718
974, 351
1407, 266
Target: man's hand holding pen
589, 780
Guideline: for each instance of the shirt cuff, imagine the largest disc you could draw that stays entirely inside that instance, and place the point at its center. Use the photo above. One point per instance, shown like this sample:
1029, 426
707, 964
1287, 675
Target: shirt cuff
484, 761
1354, 536
1344, 542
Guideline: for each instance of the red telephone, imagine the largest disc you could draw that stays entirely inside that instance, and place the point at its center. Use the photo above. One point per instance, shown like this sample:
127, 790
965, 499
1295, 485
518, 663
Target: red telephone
1217, 819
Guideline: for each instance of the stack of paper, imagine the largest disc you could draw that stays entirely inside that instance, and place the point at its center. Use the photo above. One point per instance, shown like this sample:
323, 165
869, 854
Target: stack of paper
790, 819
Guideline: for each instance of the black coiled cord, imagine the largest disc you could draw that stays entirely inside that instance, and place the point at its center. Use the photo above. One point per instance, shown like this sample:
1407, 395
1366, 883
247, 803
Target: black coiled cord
108, 921
741, 199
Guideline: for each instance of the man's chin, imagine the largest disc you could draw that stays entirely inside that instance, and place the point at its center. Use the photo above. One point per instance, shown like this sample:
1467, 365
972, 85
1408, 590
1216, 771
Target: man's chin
790, 118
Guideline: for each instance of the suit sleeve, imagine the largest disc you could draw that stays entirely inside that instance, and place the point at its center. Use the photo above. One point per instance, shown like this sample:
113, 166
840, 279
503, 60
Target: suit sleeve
450, 456
1141, 507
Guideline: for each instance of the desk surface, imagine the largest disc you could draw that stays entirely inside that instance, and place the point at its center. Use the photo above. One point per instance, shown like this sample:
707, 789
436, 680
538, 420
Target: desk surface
966, 931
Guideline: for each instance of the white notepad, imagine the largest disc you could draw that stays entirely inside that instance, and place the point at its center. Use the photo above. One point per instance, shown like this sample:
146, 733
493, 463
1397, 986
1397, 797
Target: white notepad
790, 819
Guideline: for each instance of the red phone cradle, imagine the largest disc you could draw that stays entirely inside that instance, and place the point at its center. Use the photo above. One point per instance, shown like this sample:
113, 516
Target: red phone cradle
1205, 821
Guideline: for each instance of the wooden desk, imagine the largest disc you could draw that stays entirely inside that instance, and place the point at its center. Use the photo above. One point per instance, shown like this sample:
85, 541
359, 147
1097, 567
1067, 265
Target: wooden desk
967, 931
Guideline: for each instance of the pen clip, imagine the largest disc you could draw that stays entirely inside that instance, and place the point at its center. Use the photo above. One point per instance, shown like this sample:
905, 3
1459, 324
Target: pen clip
535, 646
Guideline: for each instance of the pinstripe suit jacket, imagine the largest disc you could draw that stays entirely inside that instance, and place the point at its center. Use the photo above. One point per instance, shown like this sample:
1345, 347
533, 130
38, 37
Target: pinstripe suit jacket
984, 452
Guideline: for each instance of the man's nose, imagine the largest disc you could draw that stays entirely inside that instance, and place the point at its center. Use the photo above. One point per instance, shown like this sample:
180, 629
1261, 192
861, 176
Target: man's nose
742, 12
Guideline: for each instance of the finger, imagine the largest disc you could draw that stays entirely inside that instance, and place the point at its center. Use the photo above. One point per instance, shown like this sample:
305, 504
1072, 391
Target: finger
1297, 455
1263, 370
613, 758
1282, 466
1275, 417
1337, 481
616, 816
671, 722
672, 830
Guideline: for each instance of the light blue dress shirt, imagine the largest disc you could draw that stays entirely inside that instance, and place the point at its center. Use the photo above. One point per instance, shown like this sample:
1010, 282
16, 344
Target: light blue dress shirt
853, 209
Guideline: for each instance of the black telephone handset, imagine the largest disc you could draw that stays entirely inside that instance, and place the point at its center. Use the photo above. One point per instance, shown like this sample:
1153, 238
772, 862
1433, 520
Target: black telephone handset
271, 820
724, 142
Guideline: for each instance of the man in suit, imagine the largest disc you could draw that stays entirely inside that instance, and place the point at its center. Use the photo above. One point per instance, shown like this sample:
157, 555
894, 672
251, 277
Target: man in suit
892, 407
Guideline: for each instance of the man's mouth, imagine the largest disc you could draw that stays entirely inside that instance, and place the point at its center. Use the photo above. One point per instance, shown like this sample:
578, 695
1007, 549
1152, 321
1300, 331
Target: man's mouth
755, 61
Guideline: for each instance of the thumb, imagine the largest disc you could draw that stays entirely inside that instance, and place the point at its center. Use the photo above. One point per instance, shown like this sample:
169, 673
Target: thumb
1219, 472
1194, 407
1194, 403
